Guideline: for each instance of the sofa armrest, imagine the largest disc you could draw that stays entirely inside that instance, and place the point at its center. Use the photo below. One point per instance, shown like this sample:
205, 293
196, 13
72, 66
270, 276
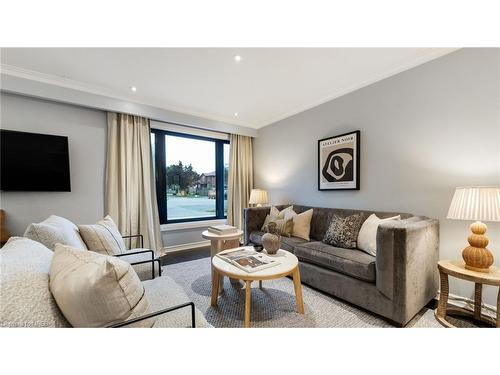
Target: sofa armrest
407, 254
253, 219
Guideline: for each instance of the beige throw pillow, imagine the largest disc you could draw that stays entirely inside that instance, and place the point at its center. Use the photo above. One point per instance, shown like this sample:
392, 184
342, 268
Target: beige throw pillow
302, 224
103, 237
94, 290
275, 214
367, 237
283, 227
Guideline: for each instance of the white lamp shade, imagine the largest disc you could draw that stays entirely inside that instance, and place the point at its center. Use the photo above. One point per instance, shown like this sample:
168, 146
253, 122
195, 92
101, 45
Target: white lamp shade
258, 196
476, 203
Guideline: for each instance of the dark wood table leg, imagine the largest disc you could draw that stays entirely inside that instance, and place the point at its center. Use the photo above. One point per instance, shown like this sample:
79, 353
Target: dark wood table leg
477, 300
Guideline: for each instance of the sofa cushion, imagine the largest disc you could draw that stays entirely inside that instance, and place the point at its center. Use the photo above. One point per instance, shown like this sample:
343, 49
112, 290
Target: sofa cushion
287, 243
94, 290
25, 298
163, 292
55, 229
350, 262
103, 237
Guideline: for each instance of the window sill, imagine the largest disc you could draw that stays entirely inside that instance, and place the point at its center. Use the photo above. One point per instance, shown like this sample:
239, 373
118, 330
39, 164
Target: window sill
191, 225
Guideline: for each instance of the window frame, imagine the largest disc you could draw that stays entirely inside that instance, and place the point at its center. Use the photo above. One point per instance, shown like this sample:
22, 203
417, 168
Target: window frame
161, 180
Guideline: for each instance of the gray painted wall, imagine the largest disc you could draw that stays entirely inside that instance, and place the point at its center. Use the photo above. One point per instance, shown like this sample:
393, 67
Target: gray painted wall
86, 130
423, 133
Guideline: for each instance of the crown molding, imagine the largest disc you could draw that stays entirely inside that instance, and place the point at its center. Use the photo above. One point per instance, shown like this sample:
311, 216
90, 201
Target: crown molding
426, 56
21, 82
59, 81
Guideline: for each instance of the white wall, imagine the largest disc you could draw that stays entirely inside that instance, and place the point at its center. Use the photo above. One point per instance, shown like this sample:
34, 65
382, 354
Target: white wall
86, 130
423, 132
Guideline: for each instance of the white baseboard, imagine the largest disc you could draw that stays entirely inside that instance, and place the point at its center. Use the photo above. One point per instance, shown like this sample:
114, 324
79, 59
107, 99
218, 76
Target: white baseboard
468, 303
185, 246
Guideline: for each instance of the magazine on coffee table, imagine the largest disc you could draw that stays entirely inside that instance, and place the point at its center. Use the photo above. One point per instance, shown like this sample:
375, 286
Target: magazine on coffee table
248, 260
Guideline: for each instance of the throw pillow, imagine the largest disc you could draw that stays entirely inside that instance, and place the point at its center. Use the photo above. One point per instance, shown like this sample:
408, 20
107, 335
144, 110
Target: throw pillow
55, 229
103, 237
94, 290
284, 227
343, 231
367, 237
275, 214
302, 224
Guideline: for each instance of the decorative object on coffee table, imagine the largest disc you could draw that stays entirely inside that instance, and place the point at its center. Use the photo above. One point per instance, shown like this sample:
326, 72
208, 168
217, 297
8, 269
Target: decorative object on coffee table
338, 162
258, 197
458, 269
479, 203
271, 240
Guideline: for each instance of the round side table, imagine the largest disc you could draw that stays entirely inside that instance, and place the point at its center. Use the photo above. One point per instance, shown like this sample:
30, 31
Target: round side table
219, 243
457, 269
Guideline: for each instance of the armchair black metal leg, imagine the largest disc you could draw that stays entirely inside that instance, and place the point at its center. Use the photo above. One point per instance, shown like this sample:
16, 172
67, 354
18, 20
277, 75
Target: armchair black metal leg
193, 318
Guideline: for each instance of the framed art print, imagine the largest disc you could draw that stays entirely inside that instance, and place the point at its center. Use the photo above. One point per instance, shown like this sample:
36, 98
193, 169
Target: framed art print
338, 162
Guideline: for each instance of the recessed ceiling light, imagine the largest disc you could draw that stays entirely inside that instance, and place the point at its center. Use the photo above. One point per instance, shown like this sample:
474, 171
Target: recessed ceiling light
133, 88
237, 58
235, 114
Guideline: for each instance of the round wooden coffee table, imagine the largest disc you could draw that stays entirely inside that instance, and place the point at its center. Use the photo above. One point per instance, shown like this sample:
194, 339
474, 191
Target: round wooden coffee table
289, 265
456, 268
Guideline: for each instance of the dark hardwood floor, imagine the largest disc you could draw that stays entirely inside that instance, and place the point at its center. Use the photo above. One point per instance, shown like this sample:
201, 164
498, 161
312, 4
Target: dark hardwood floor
185, 255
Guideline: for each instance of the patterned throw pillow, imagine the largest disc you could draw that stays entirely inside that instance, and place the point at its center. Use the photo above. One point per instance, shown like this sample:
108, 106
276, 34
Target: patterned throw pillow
343, 231
283, 227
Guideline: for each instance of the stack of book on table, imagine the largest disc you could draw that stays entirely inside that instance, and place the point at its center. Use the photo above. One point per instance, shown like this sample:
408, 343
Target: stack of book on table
247, 259
222, 229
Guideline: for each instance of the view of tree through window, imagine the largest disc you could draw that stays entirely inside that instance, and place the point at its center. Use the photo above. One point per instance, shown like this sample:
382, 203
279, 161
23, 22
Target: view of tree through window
190, 178
192, 174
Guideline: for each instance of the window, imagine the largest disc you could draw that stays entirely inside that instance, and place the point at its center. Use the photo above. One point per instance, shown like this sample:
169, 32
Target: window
191, 175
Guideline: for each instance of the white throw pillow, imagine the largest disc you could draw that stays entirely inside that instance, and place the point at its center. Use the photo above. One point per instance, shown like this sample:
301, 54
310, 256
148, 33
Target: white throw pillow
367, 237
55, 229
103, 237
94, 290
302, 224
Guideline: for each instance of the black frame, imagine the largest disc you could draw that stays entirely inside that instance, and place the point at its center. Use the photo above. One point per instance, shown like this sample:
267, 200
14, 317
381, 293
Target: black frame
160, 312
161, 180
152, 260
357, 157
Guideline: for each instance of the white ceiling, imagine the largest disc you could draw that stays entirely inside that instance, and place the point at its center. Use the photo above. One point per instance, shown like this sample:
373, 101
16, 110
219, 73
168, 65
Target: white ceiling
267, 85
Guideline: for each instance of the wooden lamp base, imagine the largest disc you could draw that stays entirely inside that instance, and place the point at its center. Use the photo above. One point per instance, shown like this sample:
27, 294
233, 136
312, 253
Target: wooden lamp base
476, 256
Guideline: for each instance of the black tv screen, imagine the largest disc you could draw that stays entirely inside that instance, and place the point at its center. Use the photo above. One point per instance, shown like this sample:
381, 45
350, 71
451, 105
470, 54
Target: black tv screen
34, 162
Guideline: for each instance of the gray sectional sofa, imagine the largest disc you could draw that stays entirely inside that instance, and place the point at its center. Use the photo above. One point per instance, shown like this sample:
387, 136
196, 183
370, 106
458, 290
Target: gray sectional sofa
395, 284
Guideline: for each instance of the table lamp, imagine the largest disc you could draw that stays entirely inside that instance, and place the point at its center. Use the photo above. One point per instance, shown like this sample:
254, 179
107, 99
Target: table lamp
479, 203
258, 197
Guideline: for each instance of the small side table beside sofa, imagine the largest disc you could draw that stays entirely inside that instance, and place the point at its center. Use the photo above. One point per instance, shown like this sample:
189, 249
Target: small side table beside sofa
457, 269
219, 243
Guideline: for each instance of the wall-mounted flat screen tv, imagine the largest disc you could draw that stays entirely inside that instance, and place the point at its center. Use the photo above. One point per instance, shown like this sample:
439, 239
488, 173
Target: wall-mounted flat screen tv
34, 162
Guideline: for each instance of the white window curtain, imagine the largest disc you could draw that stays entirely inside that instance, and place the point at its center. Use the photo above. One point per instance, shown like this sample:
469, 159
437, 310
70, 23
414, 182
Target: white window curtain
240, 177
130, 183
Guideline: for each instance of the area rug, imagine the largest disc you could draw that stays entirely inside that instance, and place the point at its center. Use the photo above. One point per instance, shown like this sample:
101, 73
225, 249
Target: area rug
274, 305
